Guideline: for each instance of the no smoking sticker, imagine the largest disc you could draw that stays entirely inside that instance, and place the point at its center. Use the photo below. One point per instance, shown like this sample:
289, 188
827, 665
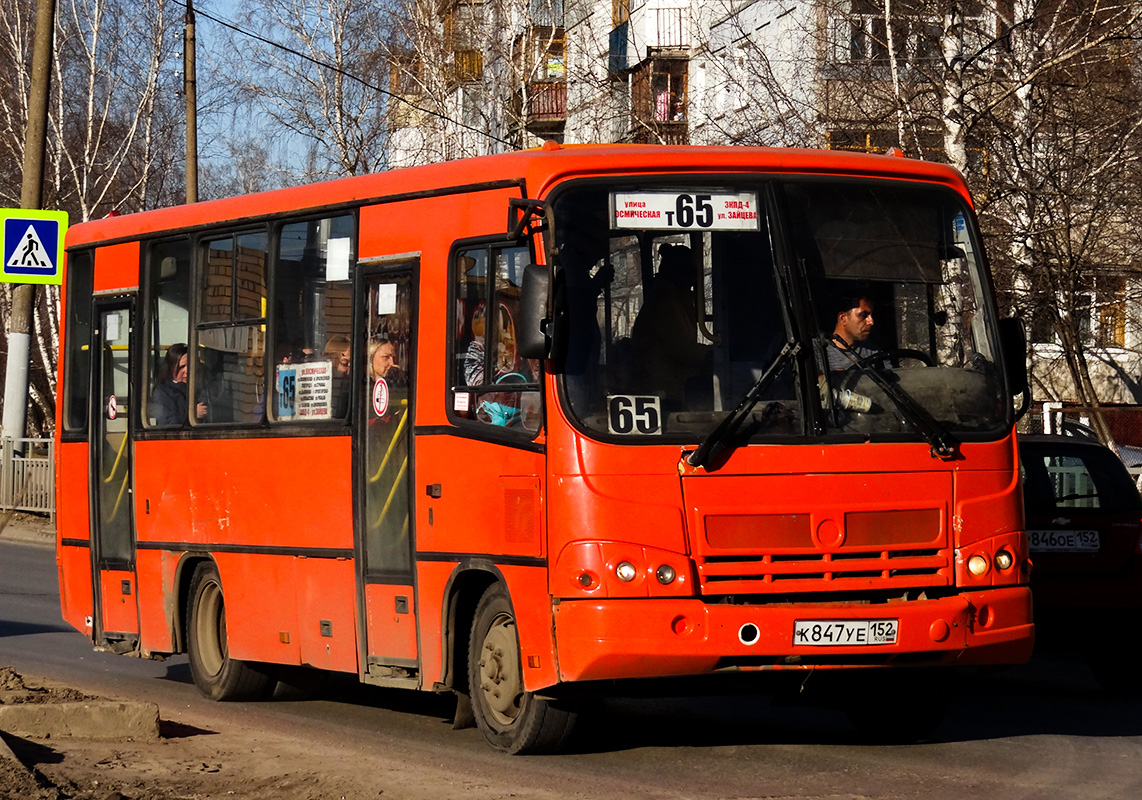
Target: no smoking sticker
380, 397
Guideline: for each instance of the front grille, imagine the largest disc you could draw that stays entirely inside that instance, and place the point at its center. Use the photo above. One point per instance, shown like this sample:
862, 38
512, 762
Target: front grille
795, 553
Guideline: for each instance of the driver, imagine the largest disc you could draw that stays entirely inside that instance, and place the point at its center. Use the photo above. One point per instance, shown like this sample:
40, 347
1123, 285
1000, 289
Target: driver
854, 325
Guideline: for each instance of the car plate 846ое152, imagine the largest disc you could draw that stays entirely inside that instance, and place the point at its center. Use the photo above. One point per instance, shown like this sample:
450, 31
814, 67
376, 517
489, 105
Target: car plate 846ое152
1063, 541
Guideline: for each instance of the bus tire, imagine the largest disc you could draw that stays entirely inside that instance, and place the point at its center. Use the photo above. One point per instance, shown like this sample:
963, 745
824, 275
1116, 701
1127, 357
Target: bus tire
216, 675
510, 718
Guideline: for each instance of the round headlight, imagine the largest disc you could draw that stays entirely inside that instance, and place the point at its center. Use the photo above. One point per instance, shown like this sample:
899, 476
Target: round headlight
625, 571
665, 574
977, 565
1004, 559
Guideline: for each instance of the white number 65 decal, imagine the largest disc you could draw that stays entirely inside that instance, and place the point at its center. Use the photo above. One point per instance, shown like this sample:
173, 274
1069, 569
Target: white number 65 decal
628, 414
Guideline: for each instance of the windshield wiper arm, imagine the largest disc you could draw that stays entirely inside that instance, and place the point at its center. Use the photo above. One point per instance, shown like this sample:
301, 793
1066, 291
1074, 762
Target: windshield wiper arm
944, 445
713, 445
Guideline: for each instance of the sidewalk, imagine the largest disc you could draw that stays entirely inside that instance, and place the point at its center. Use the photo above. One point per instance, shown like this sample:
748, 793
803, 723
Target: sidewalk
28, 529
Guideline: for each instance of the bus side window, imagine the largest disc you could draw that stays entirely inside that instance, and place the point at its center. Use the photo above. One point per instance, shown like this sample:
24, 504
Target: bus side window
229, 377
491, 383
77, 339
167, 325
313, 302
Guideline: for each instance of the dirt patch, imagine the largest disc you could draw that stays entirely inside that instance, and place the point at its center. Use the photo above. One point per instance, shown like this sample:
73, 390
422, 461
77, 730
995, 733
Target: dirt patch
13, 691
239, 762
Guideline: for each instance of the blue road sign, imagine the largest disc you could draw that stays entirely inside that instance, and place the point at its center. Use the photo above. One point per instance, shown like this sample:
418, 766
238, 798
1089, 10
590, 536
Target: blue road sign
32, 242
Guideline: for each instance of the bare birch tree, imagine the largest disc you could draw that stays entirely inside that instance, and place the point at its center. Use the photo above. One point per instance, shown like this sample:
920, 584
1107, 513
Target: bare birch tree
112, 133
312, 77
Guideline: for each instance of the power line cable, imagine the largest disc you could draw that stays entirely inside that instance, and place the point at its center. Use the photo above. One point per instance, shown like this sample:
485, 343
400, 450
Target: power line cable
349, 75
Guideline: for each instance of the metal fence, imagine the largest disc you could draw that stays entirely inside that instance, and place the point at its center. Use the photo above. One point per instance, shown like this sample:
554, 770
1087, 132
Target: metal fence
27, 475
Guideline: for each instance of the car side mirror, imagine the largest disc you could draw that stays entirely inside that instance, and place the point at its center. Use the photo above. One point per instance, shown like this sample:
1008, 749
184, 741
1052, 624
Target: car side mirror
1013, 341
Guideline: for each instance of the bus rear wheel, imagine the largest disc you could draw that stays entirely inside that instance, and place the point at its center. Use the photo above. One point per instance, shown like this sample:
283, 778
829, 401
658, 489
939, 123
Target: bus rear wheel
216, 675
511, 718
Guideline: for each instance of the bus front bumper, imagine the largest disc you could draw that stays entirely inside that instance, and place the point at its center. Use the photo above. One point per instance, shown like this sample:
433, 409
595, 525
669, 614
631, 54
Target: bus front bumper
614, 639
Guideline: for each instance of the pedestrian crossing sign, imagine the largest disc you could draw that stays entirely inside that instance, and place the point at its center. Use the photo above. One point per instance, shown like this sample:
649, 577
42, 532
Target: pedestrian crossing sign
32, 245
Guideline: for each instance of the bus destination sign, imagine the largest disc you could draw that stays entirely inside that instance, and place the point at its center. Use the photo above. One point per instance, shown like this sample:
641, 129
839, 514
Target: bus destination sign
681, 211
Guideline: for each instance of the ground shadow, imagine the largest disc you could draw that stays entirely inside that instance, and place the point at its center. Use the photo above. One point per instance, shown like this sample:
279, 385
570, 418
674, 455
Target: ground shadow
31, 754
177, 730
10, 628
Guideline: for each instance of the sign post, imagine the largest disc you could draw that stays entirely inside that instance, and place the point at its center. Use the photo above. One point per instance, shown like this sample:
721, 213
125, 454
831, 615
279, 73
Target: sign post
32, 245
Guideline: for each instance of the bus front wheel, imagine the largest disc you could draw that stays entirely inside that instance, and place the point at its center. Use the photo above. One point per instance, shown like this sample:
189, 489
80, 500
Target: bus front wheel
216, 675
510, 718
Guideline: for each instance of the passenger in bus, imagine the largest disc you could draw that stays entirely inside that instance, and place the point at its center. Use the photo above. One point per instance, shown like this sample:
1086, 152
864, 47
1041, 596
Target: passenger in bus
337, 351
854, 322
171, 396
382, 357
665, 352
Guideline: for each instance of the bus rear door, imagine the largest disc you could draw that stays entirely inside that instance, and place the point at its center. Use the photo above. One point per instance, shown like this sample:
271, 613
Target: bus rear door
112, 518
383, 457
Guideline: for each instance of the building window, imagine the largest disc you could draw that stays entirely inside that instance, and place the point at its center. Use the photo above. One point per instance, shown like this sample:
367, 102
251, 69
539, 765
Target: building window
860, 35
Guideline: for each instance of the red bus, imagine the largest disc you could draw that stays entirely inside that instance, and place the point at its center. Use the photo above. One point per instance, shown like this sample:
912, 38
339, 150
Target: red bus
527, 425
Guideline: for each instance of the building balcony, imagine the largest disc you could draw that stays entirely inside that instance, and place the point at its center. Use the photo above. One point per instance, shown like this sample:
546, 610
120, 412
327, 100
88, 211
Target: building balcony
651, 132
660, 28
546, 105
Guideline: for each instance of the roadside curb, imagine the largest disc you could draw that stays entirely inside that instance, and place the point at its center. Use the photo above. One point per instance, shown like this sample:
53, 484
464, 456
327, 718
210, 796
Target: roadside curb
87, 719
40, 533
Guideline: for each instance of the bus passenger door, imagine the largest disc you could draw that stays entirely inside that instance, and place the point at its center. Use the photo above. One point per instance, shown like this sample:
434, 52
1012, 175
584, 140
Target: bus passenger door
383, 452
113, 531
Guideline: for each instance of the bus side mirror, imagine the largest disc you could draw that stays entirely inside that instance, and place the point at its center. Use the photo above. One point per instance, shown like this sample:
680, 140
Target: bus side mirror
535, 289
1013, 340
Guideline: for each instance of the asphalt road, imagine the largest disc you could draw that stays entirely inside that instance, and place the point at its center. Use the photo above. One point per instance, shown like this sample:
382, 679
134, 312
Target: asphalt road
1043, 730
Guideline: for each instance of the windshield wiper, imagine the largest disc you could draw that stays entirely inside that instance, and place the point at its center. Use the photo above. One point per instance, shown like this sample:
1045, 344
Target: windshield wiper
713, 445
944, 445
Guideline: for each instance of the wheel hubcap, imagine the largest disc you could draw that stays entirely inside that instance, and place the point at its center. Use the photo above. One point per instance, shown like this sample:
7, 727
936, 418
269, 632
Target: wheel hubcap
500, 679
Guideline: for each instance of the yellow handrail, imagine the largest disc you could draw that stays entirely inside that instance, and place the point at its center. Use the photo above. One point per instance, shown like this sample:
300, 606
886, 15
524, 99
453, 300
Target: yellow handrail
392, 443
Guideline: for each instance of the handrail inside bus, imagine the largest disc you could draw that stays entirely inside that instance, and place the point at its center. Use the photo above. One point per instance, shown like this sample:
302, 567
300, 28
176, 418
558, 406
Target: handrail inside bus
392, 444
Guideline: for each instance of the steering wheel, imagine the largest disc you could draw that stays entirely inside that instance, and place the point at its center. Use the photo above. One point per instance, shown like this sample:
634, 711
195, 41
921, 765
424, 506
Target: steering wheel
882, 357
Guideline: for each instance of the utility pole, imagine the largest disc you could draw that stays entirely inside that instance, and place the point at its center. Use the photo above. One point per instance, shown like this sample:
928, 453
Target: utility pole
15, 418
189, 80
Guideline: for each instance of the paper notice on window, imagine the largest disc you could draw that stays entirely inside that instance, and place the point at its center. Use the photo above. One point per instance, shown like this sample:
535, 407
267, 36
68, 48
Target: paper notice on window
337, 260
386, 298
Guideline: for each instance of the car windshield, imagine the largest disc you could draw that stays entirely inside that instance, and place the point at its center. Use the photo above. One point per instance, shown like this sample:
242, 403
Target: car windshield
679, 298
1059, 478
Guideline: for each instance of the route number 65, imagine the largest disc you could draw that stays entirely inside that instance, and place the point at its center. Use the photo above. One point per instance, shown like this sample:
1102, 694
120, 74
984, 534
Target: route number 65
628, 414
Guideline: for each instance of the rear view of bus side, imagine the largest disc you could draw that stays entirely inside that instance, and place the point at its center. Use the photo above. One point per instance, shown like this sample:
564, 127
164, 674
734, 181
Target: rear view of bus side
523, 426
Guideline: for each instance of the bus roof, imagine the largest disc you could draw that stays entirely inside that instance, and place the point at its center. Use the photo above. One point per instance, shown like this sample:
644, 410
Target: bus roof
537, 169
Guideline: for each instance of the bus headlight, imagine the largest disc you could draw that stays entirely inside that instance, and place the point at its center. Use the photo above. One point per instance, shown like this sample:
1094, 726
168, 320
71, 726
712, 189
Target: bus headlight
977, 565
625, 571
1004, 559
597, 569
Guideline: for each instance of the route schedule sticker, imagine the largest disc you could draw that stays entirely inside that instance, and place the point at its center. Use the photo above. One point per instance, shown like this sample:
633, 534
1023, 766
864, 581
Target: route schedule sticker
32, 245
683, 211
304, 391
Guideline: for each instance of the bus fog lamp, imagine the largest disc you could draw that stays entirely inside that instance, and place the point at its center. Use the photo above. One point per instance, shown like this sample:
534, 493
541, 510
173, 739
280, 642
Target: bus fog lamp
1004, 559
665, 574
625, 571
977, 565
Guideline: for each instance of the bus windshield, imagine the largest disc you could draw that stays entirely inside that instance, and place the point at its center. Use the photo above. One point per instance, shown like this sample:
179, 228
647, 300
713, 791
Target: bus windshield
864, 301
